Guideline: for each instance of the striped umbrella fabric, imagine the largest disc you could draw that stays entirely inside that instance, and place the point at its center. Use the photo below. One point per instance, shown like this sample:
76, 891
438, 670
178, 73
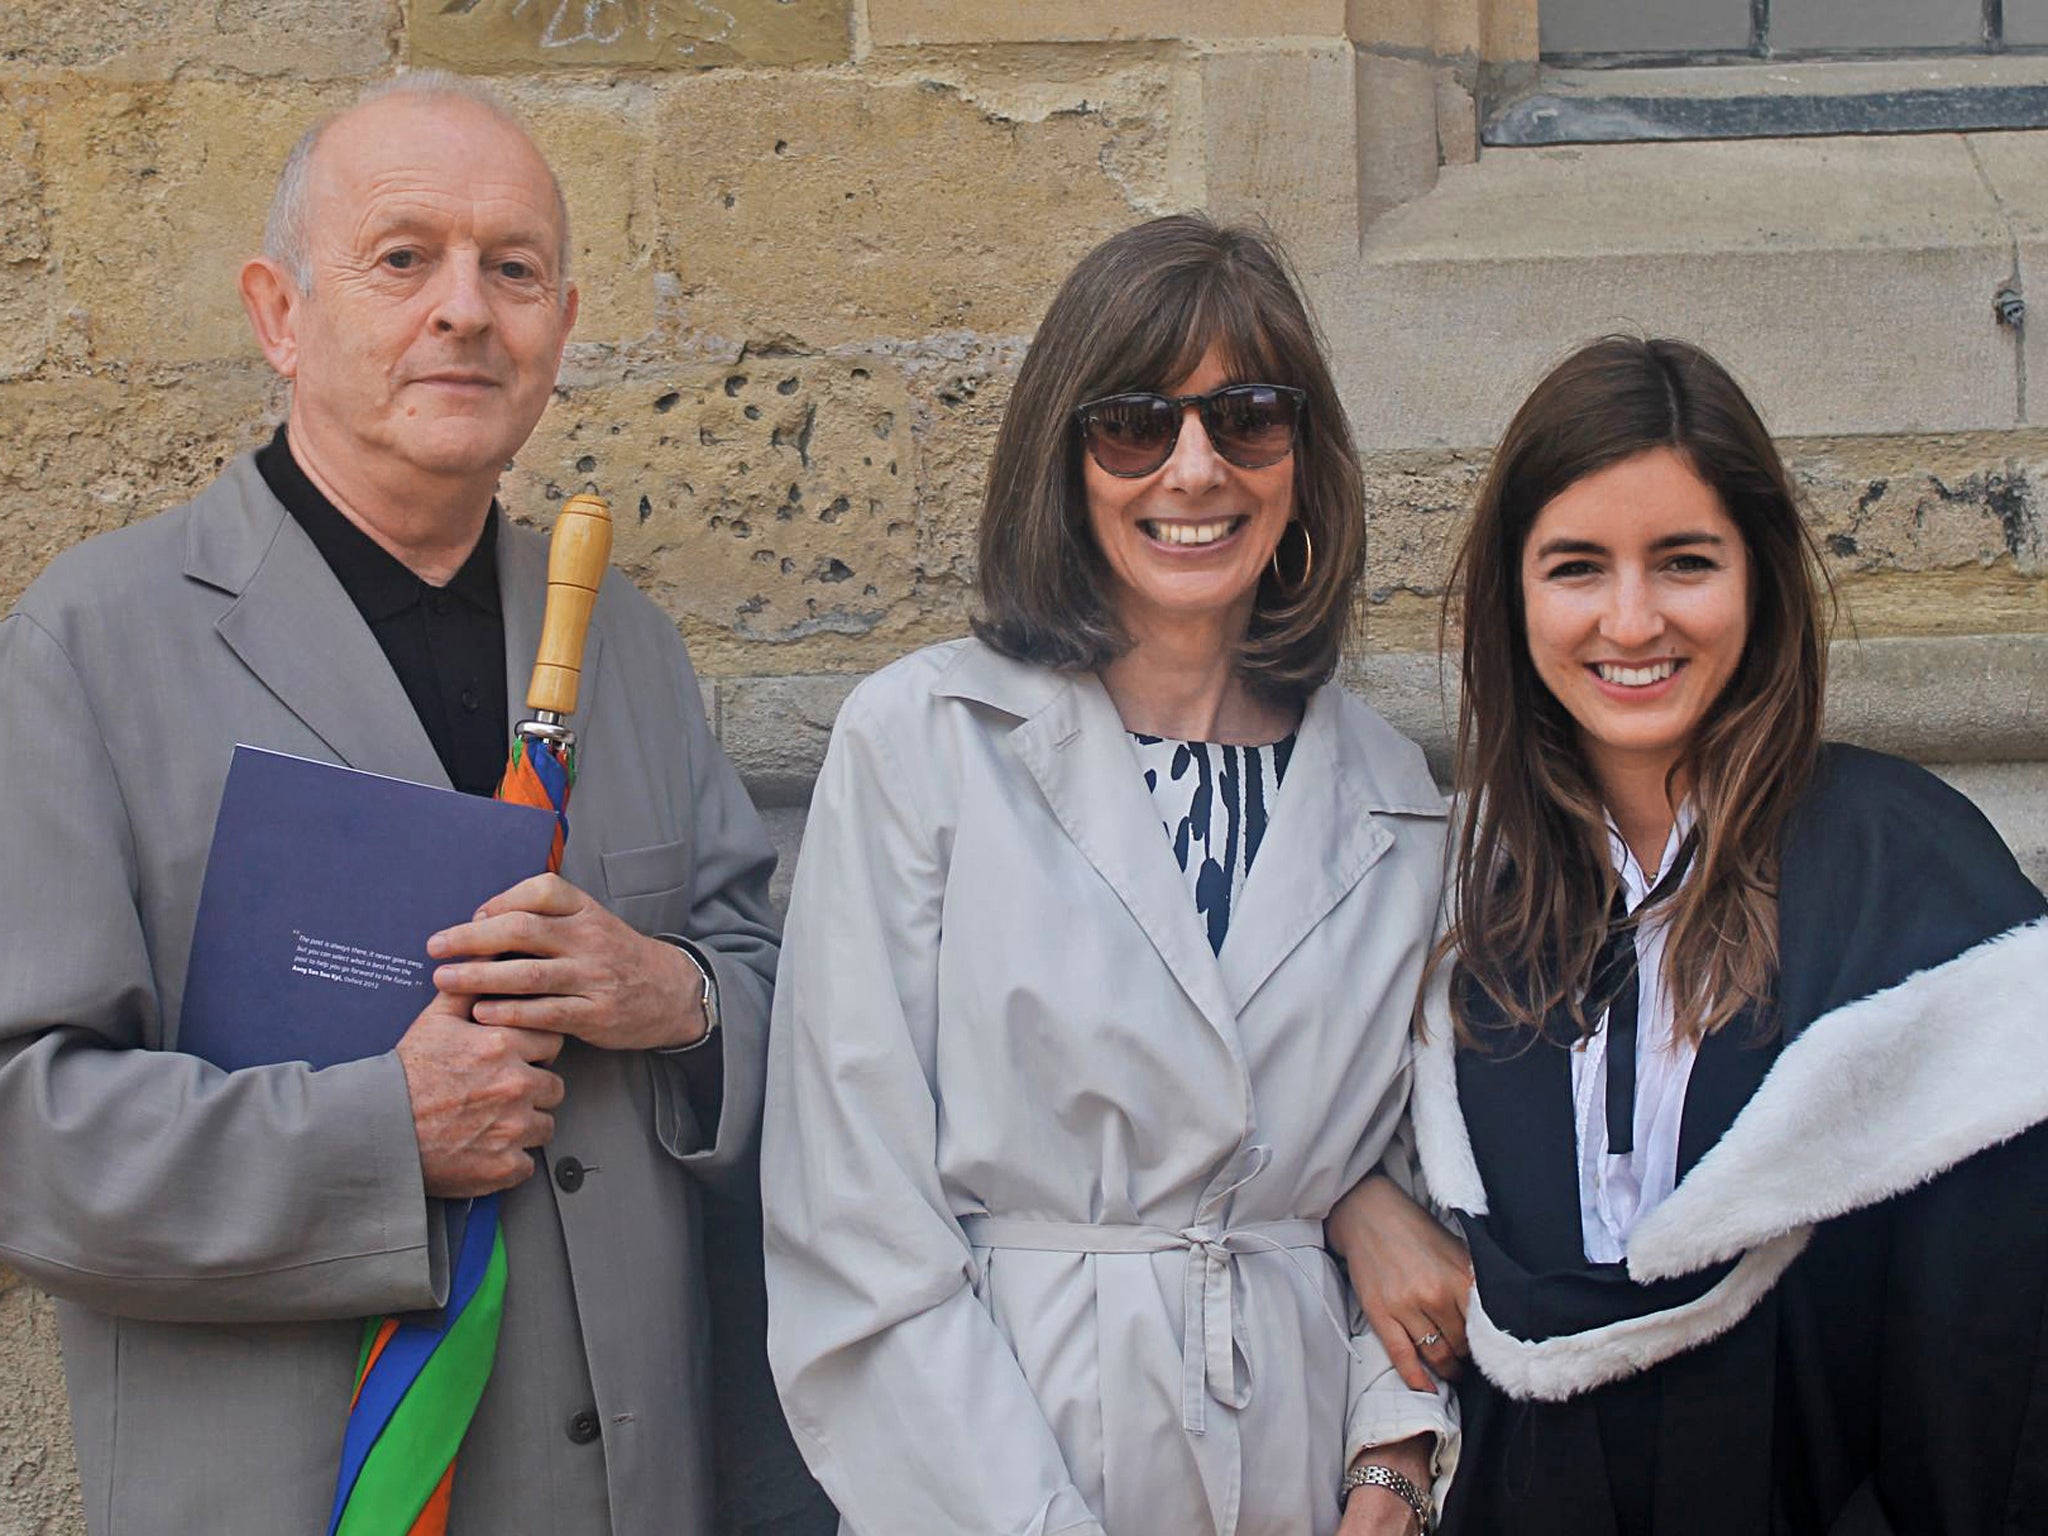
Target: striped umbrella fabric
420, 1377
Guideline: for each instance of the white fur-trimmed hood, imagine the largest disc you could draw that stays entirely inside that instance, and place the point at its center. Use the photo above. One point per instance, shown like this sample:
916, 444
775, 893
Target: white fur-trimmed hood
1873, 1099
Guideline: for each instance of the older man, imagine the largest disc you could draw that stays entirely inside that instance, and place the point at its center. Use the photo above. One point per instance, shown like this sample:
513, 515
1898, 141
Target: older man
351, 593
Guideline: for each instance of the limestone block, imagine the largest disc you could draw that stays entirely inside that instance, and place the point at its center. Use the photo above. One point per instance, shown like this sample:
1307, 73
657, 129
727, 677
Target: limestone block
897, 22
156, 195
770, 506
821, 210
1932, 536
960, 398
2016, 165
1457, 121
1921, 535
1282, 144
117, 39
487, 36
1398, 149
28, 292
1979, 699
1964, 700
1411, 26
1777, 254
38, 1471
596, 137
79, 456
1975, 699
1416, 510
775, 729
1507, 31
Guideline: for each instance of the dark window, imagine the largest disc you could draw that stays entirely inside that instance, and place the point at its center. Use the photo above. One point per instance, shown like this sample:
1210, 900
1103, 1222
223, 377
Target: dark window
1698, 30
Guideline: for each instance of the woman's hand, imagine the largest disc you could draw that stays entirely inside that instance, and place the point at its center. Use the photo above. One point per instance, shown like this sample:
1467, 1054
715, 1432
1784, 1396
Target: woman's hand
1372, 1511
1410, 1276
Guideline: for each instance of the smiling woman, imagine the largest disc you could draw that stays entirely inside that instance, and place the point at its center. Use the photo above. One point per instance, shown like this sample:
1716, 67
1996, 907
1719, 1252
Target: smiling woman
1732, 1072
1099, 963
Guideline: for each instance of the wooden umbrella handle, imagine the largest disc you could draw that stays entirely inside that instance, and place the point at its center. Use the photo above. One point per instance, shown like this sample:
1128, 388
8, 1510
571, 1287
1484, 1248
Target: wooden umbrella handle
577, 555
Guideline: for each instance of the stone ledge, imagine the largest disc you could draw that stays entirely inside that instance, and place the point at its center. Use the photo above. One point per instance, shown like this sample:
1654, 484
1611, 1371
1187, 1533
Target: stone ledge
1980, 699
1773, 253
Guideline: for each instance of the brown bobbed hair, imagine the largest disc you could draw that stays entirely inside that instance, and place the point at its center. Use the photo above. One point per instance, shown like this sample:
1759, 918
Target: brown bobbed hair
1139, 313
1531, 903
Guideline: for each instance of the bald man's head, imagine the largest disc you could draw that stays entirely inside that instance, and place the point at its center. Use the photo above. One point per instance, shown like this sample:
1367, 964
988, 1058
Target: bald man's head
285, 232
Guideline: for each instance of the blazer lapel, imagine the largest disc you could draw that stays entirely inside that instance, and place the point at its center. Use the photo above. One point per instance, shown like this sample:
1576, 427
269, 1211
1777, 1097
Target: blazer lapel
1321, 840
295, 628
522, 598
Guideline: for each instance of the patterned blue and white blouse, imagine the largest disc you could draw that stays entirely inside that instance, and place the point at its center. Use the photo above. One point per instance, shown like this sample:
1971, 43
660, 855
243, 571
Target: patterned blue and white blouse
1215, 801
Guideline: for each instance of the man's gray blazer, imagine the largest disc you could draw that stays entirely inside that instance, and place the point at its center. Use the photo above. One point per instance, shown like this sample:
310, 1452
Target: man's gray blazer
214, 1238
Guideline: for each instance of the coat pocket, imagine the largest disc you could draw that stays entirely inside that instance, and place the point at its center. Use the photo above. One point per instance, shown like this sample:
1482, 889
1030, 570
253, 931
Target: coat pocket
649, 887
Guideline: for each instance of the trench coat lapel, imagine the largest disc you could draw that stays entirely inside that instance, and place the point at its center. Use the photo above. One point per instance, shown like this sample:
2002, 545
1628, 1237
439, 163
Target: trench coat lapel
294, 627
522, 598
1072, 742
1320, 842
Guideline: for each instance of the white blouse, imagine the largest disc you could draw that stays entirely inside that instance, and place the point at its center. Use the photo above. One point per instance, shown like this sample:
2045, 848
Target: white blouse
1618, 1190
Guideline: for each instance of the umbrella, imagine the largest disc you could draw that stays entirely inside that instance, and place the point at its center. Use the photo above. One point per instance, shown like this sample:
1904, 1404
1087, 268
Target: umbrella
420, 1377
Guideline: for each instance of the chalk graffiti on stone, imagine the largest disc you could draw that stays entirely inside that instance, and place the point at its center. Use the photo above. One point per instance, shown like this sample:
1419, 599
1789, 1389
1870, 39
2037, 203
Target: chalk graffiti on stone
590, 21
600, 23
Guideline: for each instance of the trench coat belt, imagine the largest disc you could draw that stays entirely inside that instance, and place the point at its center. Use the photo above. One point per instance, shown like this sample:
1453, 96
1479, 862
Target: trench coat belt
1208, 1294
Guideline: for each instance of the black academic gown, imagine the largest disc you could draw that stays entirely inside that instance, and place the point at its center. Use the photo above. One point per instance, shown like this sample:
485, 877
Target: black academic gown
1837, 1325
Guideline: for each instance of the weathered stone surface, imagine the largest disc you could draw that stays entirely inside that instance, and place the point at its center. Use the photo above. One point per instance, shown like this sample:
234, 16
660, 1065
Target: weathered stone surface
2016, 166
771, 506
1150, 92
596, 136
118, 39
28, 293
156, 195
81, 456
1398, 152
1282, 144
1967, 700
1922, 535
828, 210
38, 1473
1777, 254
487, 36
1970, 699
893, 22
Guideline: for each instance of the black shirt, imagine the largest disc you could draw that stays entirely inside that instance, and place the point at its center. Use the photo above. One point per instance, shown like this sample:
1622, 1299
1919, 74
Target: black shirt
446, 644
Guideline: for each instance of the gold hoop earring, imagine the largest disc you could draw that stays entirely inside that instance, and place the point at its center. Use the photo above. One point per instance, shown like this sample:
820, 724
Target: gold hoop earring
1308, 558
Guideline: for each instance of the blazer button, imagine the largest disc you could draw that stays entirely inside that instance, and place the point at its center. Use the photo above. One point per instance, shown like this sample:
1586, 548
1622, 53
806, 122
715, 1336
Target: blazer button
583, 1427
568, 1175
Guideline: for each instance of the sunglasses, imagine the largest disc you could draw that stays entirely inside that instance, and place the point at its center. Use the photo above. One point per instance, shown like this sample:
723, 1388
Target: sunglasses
1249, 425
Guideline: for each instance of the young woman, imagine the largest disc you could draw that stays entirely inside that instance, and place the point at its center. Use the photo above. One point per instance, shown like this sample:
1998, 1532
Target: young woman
1735, 1072
1099, 966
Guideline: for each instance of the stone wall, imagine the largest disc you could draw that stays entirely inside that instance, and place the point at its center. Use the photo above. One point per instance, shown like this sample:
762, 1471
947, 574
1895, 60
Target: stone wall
813, 238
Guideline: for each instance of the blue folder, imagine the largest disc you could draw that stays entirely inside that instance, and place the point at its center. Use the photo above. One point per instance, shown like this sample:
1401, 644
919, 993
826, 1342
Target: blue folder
322, 888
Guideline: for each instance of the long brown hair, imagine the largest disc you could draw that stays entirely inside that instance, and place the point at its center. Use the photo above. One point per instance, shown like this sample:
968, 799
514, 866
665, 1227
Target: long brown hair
1137, 313
1534, 878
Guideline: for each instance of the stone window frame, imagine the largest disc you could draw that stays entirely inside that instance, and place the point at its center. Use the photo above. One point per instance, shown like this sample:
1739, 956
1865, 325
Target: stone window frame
1764, 91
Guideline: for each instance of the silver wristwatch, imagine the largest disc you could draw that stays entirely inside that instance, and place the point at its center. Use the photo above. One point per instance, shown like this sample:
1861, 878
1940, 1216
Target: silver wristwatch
1373, 1475
707, 999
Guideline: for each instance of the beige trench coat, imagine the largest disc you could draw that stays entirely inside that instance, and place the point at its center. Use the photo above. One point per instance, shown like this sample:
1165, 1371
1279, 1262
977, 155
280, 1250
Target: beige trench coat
1044, 1177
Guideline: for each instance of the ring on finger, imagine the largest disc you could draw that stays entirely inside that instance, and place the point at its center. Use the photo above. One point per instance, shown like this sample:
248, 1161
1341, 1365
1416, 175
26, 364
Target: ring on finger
1432, 1337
